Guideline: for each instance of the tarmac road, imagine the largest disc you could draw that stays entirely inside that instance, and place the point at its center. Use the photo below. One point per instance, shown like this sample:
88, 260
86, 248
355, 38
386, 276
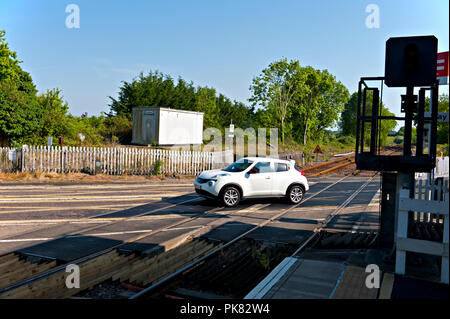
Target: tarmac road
34, 216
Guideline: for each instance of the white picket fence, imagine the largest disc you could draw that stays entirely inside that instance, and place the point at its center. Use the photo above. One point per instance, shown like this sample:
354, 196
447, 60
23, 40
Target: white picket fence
109, 160
431, 205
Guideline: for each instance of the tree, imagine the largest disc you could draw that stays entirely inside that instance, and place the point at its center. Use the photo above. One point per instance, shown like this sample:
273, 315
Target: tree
320, 104
347, 122
206, 102
442, 127
54, 113
153, 90
348, 119
20, 112
276, 87
332, 98
241, 115
158, 90
302, 100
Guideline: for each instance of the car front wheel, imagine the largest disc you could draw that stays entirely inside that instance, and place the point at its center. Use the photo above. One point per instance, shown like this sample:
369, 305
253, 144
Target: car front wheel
230, 196
295, 194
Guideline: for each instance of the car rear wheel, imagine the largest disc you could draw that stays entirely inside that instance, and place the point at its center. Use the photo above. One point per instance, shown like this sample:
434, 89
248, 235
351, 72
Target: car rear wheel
230, 196
295, 194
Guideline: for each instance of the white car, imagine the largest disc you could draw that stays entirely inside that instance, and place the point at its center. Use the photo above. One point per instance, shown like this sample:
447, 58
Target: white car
253, 177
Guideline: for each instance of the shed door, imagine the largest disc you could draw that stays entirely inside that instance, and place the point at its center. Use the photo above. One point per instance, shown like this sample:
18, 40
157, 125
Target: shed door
150, 129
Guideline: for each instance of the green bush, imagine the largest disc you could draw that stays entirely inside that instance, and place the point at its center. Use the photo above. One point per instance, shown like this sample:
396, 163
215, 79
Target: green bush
398, 140
157, 167
346, 140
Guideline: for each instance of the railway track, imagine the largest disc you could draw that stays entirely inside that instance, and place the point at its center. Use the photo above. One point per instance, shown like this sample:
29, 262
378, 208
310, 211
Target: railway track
340, 164
44, 279
233, 264
330, 166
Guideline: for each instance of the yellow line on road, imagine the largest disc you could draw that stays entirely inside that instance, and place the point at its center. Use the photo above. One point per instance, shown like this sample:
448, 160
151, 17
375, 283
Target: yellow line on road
68, 196
386, 286
87, 220
43, 209
77, 186
85, 200
96, 193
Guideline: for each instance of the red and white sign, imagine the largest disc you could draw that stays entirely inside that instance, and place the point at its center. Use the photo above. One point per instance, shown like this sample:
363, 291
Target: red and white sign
442, 68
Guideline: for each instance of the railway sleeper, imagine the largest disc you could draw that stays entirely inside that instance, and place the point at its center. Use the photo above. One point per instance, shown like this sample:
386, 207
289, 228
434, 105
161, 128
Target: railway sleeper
151, 278
162, 260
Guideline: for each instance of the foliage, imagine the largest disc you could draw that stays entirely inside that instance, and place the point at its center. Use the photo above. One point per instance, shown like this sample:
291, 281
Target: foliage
20, 114
157, 167
159, 90
276, 87
261, 257
347, 122
442, 128
54, 113
300, 101
117, 129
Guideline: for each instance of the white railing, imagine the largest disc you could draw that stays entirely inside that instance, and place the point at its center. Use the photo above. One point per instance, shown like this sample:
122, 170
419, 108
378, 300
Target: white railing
430, 204
108, 160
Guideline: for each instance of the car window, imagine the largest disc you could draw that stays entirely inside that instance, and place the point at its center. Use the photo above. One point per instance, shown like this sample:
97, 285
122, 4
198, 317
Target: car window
239, 166
263, 167
281, 167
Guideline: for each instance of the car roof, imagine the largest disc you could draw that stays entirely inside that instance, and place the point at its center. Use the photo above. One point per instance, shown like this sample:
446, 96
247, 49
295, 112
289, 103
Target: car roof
269, 159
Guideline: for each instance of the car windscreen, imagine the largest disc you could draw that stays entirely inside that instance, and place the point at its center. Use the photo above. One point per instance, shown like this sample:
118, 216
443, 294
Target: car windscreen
239, 166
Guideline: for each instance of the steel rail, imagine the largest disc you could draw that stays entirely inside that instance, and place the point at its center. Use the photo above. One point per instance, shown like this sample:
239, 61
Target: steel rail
339, 166
328, 163
332, 169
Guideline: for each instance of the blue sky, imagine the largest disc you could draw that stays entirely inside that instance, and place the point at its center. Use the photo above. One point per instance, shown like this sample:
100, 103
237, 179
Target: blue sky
223, 44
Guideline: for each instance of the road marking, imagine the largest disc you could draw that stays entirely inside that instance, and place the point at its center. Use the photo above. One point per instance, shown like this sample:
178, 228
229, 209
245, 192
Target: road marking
250, 209
181, 228
85, 199
93, 194
21, 240
112, 233
86, 220
104, 186
386, 286
97, 234
100, 193
74, 236
43, 209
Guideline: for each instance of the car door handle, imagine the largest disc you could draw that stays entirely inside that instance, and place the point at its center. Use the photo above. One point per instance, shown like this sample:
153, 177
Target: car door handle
268, 177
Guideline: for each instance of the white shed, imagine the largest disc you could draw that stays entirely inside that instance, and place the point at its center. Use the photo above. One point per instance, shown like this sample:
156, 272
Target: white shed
166, 126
